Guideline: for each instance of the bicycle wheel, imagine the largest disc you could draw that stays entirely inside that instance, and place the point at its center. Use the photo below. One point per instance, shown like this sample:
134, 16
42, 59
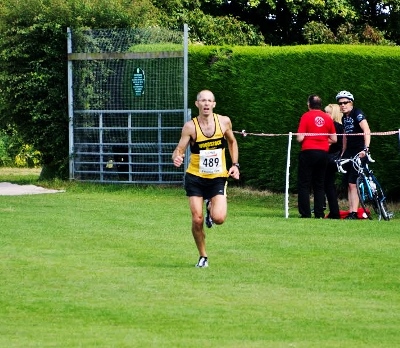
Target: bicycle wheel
368, 200
386, 214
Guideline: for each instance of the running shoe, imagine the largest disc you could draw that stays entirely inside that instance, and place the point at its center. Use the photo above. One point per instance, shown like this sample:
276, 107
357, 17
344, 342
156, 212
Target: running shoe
202, 263
209, 222
352, 216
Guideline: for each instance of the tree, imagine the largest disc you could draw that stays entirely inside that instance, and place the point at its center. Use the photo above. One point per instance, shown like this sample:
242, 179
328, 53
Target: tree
208, 28
33, 61
318, 33
282, 22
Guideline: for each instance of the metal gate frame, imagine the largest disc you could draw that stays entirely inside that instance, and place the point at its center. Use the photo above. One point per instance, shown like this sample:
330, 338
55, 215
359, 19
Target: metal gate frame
100, 167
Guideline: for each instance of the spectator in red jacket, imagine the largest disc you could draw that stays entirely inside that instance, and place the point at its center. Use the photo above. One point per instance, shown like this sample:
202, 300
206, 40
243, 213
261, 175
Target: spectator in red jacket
316, 132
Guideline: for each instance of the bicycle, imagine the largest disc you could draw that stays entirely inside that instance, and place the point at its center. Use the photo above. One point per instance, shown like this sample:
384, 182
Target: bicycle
372, 198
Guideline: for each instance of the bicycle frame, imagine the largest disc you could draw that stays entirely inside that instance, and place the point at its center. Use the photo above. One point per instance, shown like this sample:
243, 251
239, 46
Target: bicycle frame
370, 193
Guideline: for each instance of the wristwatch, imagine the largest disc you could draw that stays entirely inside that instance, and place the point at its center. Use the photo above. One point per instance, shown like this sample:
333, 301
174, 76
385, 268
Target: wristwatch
236, 165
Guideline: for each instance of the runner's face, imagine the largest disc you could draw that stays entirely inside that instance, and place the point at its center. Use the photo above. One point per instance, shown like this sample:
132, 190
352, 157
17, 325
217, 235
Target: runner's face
205, 103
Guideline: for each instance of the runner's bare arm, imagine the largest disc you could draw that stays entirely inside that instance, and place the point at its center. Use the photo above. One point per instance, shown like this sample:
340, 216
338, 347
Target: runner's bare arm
232, 146
179, 152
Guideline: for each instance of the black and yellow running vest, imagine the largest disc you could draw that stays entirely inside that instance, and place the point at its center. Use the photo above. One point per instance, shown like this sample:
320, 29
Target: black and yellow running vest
207, 158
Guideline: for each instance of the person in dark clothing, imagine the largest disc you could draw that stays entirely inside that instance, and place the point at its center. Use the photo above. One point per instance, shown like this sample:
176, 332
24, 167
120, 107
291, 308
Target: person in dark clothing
356, 140
315, 132
335, 150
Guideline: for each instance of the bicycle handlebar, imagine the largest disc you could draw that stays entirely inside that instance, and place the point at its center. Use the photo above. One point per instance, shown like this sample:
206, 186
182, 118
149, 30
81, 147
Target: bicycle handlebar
369, 157
356, 162
340, 163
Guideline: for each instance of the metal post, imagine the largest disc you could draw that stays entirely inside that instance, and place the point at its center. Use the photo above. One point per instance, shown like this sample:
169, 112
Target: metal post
70, 108
101, 169
186, 111
130, 156
160, 159
287, 176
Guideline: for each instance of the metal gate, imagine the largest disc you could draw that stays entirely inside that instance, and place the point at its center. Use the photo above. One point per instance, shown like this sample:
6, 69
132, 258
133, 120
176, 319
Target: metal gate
127, 104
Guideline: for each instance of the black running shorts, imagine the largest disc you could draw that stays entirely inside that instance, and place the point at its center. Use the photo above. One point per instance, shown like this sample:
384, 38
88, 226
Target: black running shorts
202, 187
351, 175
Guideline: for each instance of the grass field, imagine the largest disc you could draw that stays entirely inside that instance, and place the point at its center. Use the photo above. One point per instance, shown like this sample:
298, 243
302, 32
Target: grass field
113, 266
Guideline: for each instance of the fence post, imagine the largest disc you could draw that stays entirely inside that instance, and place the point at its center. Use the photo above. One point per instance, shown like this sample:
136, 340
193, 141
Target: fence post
70, 107
287, 176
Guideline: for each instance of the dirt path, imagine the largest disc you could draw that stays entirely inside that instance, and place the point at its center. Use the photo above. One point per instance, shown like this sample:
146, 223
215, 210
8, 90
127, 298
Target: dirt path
8, 189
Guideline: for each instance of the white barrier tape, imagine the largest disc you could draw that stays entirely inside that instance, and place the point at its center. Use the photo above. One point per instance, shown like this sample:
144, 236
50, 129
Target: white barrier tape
244, 133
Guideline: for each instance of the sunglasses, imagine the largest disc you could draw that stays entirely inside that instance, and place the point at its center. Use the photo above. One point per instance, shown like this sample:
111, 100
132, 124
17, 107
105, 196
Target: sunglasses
344, 103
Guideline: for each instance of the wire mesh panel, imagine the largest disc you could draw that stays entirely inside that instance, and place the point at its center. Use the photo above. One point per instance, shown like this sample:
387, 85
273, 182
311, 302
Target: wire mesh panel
128, 102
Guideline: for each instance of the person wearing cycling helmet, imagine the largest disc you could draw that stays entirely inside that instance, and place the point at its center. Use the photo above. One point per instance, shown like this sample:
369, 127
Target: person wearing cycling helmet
354, 122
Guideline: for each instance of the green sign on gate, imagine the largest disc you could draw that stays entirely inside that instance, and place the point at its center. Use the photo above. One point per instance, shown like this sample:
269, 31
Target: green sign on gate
138, 80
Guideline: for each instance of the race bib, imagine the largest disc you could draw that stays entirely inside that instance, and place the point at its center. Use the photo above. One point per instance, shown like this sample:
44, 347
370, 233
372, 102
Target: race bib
210, 161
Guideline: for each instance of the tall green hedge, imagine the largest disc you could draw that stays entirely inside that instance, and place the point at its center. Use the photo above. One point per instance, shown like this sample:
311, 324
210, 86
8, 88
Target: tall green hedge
264, 90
